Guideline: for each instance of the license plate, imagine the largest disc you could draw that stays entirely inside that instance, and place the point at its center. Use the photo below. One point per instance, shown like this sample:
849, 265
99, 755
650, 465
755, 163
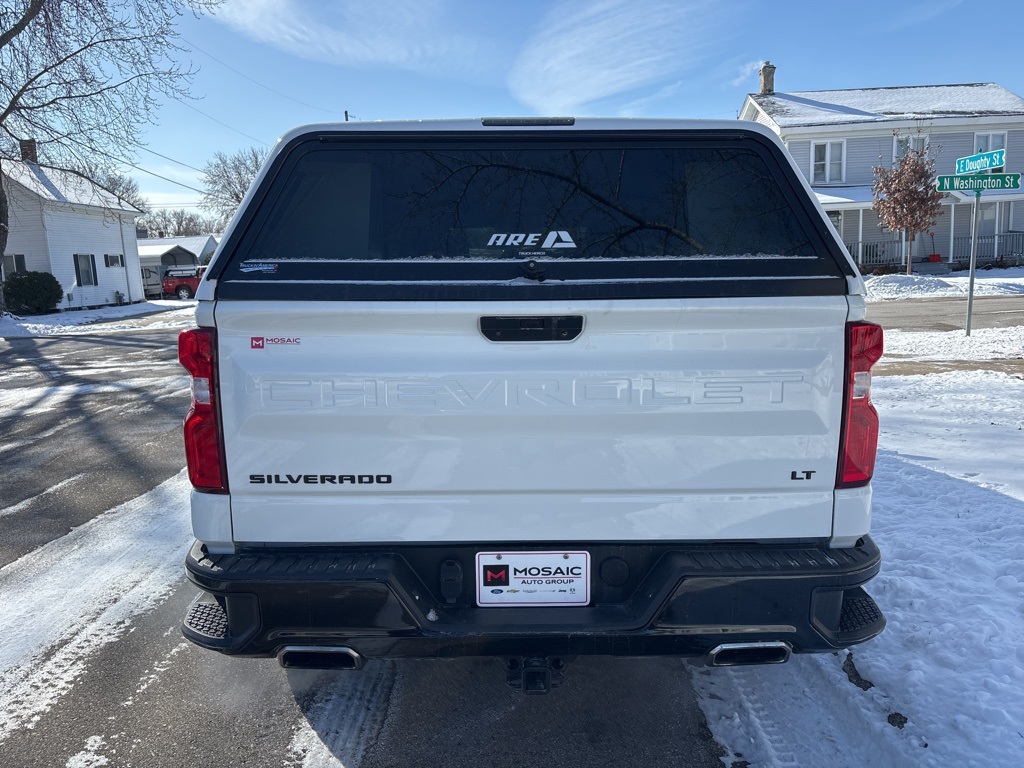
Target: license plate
532, 578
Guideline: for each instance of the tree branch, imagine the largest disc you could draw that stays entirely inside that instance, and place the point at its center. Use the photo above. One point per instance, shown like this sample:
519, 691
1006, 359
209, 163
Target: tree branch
34, 7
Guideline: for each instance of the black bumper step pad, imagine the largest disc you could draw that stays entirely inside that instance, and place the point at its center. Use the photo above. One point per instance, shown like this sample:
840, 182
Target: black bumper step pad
208, 619
859, 612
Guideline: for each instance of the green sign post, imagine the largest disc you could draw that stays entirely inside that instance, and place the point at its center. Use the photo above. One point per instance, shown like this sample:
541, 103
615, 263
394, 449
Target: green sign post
972, 176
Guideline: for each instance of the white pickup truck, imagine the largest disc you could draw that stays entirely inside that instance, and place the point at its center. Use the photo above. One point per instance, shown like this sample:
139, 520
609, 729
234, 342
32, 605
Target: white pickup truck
530, 389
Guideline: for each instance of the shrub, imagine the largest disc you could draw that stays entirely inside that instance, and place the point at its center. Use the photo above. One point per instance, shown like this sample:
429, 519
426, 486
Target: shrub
32, 293
883, 269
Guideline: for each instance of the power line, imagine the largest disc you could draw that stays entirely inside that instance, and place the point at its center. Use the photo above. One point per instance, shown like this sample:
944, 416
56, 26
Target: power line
261, 85
144, 170
165, 157
194, 109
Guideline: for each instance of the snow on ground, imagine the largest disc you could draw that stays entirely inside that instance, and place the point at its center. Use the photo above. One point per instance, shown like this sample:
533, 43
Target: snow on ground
70, 597
33, 400
982, 344
948, 671
987, 282
176, 314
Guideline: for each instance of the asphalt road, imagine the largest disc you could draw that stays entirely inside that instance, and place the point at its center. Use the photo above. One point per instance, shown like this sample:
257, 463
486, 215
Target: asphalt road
95, 420
948, 314
101, 424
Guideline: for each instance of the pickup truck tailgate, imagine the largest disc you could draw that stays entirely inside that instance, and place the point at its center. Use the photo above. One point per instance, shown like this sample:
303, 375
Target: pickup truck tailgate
666, 419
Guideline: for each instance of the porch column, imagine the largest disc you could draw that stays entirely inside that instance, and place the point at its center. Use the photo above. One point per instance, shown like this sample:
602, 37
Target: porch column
952, 230
995, 247
860, 236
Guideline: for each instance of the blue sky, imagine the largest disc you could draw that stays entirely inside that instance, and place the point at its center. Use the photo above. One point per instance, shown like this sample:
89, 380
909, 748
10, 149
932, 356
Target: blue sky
265, 66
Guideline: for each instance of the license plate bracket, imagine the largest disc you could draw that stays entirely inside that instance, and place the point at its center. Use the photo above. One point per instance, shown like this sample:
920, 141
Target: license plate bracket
555, 578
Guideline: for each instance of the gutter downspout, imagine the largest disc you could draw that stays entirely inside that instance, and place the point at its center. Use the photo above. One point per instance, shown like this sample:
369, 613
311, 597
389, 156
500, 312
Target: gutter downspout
124, 255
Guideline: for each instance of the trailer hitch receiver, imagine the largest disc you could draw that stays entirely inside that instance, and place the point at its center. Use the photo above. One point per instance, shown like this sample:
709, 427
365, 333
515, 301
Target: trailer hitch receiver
535, 675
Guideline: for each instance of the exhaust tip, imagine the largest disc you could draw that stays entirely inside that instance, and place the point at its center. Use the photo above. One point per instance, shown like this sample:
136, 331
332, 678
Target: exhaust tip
742, 654
319, 657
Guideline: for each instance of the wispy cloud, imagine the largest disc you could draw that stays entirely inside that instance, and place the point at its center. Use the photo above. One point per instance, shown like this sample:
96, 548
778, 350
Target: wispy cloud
746, 71
401, 34
588, 51
921, 12
639, 106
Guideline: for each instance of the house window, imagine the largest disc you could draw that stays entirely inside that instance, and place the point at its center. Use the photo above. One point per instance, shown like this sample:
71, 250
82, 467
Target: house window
12, 264
901, 145
85, 269
114, 259
989, 142
828, 162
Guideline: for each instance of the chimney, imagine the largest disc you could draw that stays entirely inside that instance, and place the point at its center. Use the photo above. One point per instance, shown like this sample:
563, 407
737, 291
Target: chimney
28, 150
767, 79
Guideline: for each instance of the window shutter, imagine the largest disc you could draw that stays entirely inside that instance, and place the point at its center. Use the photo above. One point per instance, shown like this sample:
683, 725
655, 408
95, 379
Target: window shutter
78, 272
95, 274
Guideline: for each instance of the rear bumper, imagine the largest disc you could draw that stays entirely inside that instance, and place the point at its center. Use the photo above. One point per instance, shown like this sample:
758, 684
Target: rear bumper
679, 600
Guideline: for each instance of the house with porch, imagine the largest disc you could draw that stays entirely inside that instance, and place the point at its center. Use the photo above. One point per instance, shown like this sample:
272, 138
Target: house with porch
838, 137
64, 224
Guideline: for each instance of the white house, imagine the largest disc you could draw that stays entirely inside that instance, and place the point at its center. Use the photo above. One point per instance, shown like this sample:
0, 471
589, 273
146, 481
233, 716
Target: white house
837, 137
79, 232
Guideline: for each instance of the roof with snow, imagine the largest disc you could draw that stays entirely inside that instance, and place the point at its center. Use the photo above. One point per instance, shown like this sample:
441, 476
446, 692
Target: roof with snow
867, 105
57, 186
200, 246
162, 248
840, 196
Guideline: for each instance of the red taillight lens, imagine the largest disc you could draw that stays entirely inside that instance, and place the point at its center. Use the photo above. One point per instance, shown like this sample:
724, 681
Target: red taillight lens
203, 449
859, 441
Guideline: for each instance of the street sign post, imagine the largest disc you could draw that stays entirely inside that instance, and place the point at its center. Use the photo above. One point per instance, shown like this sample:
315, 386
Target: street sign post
979, 182
983, 161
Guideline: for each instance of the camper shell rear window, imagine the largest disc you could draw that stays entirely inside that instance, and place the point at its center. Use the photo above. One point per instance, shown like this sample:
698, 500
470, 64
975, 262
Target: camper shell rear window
519, 215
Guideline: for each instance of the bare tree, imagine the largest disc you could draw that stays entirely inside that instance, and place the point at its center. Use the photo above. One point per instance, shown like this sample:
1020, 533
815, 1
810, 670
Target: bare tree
226, 179
125, 188
83, 77
177, 222
906, 197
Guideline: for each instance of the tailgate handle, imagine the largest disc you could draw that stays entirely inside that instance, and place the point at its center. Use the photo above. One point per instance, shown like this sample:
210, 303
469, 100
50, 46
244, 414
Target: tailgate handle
531, 327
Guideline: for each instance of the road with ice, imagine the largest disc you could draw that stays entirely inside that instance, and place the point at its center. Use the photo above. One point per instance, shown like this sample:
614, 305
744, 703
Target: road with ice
93, 670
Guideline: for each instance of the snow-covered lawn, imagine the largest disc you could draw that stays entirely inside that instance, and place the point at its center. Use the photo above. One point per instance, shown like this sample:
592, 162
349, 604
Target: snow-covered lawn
948, 671
982, 344
174, 314
987, 282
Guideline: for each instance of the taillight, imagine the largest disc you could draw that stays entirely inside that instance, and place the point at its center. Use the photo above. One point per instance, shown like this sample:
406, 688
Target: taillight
859, 440
197, 351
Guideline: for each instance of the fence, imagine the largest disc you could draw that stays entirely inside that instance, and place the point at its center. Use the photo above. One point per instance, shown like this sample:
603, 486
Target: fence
990, 247
874, 253
1008, 245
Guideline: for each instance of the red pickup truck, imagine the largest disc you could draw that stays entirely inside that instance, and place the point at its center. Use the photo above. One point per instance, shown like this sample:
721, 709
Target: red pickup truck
182, 281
